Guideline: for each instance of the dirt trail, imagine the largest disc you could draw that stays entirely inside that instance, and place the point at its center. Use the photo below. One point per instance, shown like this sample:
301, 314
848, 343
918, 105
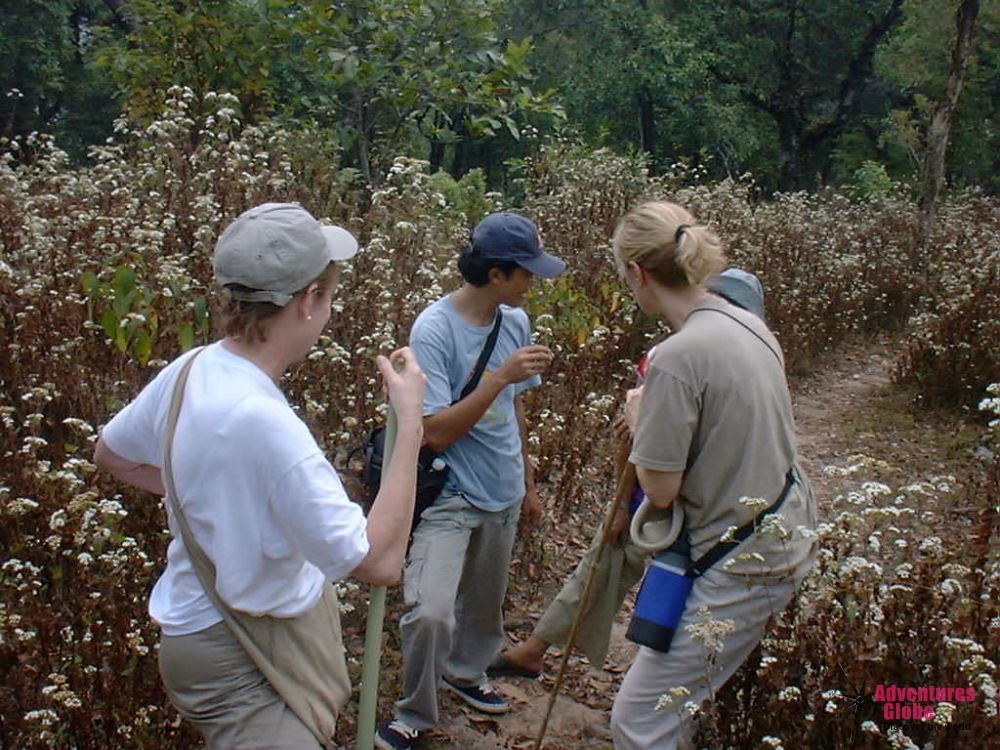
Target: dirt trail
846, 407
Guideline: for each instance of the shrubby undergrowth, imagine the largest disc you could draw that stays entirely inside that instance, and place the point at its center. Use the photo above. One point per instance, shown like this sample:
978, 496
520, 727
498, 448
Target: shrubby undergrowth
105, 274
956, 351
906, 592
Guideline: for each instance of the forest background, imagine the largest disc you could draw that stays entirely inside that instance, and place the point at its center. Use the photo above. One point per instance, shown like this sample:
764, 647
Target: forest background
805, 131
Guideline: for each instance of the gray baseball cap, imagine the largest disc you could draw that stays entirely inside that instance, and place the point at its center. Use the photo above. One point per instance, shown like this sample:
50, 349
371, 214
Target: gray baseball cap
275, 250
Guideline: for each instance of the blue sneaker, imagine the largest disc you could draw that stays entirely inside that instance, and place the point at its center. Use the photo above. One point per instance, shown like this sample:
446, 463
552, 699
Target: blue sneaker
481, 697
396, 735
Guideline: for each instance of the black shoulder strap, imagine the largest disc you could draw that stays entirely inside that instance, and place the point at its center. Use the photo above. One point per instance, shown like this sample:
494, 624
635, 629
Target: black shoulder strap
730, 315
484, 357
721, 549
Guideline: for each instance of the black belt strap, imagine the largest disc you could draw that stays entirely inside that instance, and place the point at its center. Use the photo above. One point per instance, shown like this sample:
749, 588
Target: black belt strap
721, 549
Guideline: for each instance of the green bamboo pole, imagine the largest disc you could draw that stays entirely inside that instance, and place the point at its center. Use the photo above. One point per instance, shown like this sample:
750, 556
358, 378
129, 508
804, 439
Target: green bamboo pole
368, 709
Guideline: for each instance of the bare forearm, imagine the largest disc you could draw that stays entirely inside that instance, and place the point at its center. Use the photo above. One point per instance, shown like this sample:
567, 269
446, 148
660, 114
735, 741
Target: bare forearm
661, 487
144, 476
449, 425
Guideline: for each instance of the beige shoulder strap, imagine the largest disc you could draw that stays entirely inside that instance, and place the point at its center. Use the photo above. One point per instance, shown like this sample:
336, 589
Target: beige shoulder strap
203, 566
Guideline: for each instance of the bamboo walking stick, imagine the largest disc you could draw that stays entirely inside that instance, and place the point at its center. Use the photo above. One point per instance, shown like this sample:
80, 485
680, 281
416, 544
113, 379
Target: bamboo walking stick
367, 710
625, 471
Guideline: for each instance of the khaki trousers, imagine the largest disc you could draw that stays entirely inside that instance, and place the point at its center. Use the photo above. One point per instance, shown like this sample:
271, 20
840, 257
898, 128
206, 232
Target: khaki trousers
635, 722
618, 570
215, 685
454, 583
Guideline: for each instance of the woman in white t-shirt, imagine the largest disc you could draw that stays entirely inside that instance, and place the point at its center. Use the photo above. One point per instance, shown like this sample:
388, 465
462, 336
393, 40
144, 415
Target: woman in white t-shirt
715, 437
259, 498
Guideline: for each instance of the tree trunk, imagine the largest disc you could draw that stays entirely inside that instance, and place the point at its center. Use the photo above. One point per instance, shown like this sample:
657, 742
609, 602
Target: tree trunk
790, 161
364, 142
437, 156
940, 128
647, 125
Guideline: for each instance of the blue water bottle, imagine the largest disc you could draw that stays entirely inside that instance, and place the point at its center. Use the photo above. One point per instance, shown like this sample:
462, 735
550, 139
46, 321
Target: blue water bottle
660, 603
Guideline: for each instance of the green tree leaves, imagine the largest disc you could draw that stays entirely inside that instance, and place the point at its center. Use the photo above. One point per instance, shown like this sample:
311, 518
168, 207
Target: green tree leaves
383, 76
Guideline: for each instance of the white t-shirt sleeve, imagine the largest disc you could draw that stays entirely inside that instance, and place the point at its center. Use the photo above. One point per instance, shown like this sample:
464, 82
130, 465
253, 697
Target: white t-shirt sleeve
130, 433
315, 512
133, 432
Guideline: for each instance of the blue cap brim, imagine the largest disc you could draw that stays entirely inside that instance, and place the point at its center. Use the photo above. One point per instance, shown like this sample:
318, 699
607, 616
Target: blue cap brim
544, 265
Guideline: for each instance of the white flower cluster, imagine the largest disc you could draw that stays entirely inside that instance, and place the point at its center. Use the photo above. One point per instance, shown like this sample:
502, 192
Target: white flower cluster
991, 405
899, 740
711, 632
670, 696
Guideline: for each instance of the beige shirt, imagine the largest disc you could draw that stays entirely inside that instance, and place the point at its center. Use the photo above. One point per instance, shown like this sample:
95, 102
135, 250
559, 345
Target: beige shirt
716, 406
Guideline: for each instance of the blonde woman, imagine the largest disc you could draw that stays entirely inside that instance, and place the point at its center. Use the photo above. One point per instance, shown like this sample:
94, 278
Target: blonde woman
714, 437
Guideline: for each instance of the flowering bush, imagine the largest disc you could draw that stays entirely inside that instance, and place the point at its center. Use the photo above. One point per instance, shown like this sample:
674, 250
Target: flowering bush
899, 596
954, 355
105, 274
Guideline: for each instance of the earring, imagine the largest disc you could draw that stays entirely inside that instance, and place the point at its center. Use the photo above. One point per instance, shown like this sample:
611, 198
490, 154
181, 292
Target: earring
309, 317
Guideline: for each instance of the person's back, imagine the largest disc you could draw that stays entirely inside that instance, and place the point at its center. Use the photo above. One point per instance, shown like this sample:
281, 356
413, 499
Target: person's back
715, 440
250, 649
256, 488
740, 440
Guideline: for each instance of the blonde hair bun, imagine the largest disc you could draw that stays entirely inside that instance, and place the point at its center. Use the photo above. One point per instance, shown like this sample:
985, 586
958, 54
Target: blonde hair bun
667, 241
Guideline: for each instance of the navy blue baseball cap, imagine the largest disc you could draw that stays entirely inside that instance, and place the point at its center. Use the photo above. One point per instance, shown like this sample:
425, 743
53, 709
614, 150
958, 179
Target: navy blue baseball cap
512, 237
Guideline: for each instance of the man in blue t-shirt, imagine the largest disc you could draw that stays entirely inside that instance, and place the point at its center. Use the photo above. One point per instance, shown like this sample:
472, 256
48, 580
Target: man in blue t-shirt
456, 575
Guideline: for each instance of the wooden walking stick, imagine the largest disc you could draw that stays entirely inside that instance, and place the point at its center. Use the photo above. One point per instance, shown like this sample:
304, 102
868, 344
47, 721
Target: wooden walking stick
367, 709
625, 471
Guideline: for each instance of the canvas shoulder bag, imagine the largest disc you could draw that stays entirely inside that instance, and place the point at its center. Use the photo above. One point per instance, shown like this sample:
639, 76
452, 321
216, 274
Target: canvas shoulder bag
301, 657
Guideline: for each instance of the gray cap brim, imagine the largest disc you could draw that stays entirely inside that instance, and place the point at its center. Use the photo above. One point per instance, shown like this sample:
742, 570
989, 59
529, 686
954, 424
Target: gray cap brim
340, 242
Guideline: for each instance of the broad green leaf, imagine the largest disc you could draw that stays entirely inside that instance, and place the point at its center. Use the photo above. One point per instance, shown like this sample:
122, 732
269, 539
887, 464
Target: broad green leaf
185, 337
143, 346
88, 282
109, 321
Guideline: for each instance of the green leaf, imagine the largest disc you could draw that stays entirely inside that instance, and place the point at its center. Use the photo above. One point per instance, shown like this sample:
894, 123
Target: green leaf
88, 282
124, 280
143, 346
350, 67
185, 336
130, 667
201, 314
512, 127
110, 323
123, 304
